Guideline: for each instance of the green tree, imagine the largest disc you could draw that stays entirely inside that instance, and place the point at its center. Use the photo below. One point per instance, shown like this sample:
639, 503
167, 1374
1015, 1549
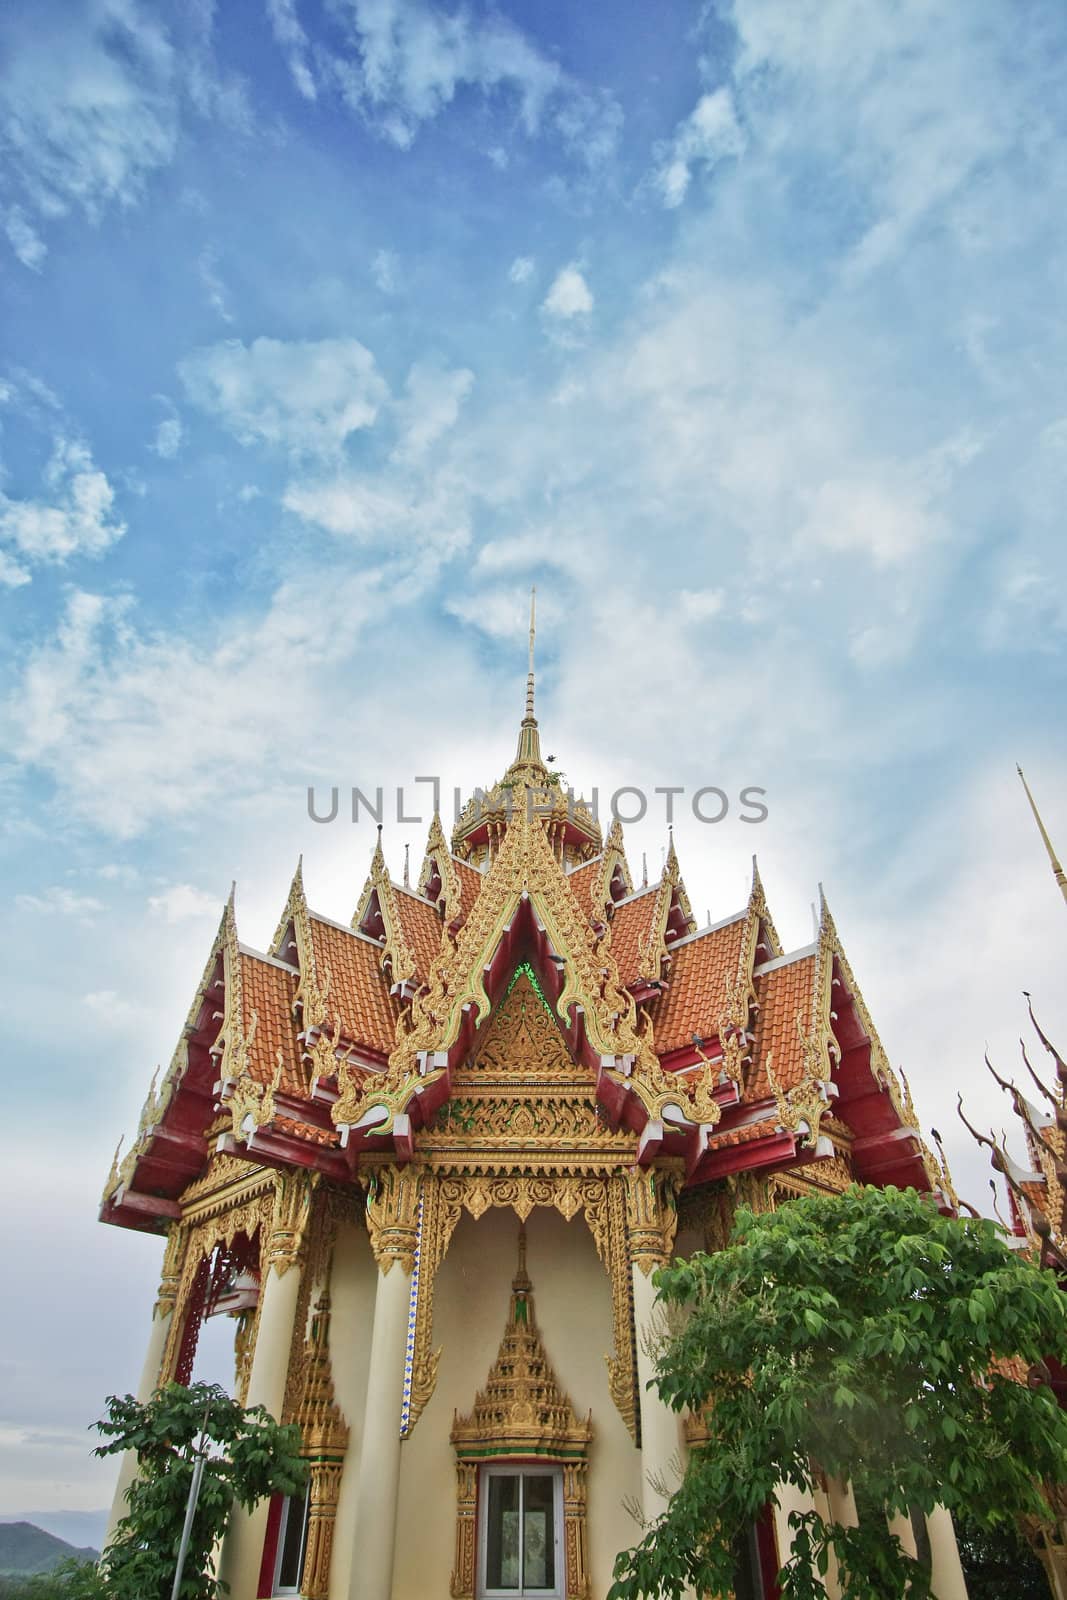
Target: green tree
248, 1456
863, 1335
70, 1580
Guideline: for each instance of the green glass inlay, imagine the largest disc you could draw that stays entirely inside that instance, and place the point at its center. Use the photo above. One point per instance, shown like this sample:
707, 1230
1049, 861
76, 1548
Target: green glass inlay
524, 969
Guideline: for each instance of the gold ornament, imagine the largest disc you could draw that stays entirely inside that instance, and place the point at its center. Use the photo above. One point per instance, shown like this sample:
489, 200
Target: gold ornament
521, 1414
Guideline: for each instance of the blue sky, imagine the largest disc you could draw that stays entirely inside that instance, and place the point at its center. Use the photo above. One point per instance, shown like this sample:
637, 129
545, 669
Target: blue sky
328, 329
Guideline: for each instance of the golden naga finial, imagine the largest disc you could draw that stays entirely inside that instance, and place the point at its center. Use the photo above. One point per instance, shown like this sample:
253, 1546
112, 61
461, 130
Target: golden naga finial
1057, 871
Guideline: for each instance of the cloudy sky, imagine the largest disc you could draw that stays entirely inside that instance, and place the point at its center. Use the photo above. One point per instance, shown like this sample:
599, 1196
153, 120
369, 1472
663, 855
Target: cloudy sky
328, 328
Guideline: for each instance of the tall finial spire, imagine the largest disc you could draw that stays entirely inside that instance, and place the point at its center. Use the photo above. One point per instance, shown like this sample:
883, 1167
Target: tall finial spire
530, 669
529, 751
1057, 870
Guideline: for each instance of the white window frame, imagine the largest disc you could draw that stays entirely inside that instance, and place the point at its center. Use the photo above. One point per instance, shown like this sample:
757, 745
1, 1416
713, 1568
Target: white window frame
543, 1469
288, 1502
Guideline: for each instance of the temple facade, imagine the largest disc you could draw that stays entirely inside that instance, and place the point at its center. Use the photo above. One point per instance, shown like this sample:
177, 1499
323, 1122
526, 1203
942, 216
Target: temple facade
428, 1162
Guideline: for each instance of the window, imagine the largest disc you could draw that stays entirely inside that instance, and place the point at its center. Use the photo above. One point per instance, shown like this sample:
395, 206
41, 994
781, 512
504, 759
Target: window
748, 1580
521, 1525
292, 1543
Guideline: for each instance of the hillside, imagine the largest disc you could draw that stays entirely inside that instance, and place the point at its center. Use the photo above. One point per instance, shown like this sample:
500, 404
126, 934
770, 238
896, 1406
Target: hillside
25, 1548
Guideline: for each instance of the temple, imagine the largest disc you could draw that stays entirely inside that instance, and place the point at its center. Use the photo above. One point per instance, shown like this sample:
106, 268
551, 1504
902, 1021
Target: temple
1036, 1222
427, 1162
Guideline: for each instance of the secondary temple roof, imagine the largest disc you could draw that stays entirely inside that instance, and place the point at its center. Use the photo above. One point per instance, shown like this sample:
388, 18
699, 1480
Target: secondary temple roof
709, 1045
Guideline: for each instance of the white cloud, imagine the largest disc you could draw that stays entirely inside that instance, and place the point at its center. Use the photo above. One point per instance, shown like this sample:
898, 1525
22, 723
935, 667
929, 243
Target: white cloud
697, 605
117, 872
386, 511
88, 109
168, 438
114, 1010
591, 124
12, 576
385, 271
181, 902
290, 35
306, 396
521, 269
413, 57
908, 102
24, 239
710, 134
75, 518
532, 550
60, 901
430, 407
569, 296
890, 518
214, 287
505, 613
135, 727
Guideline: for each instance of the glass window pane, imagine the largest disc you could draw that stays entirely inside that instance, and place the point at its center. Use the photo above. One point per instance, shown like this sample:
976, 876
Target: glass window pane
502, 1533
292, 1543
538, 1533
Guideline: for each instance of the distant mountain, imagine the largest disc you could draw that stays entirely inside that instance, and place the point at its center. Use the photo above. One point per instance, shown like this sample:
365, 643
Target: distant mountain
25, 1548
77, 1527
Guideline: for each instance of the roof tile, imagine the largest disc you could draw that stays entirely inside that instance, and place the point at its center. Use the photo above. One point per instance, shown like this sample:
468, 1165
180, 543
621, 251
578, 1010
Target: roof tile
359, 990
582, 881
421, 925
696, 994
629, 926
268, 990
784, 993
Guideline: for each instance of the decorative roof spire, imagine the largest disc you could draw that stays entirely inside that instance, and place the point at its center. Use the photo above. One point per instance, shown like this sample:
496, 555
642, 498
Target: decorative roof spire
521, 1285
530, 669
1057, 870
529, 751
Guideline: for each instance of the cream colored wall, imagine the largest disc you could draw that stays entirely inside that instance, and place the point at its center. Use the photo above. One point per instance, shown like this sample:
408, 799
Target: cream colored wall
572, 1298
353, 1282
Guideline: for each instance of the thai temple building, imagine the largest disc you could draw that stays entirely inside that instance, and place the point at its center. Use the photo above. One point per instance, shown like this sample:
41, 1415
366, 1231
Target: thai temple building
1036, 1222
428, 1161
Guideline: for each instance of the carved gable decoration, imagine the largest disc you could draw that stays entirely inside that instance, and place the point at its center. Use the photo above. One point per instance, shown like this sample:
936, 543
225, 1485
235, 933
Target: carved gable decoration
522, 1094
522, 1042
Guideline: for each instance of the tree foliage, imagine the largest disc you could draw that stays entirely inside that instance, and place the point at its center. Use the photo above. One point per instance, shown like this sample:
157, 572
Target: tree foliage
72, 1579
865, 1335
248, 1456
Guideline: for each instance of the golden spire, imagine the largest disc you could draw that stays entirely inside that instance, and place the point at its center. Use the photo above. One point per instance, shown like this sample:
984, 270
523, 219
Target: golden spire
530, 669
529, 751
520, 1284
1057, 870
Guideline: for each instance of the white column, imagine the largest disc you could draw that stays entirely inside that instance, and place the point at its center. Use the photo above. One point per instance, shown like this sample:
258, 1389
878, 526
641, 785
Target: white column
946, 1574
787, 1499
901, 1527
661, 1438
149, 1382
373, 1519
242, 1547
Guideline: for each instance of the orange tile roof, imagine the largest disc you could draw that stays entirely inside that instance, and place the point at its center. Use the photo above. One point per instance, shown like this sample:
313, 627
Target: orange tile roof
736, 1136
268, 990
783, 993
359, 990
470, 886
696, 995
629, 926
307, 1131
422, 929
582, 882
